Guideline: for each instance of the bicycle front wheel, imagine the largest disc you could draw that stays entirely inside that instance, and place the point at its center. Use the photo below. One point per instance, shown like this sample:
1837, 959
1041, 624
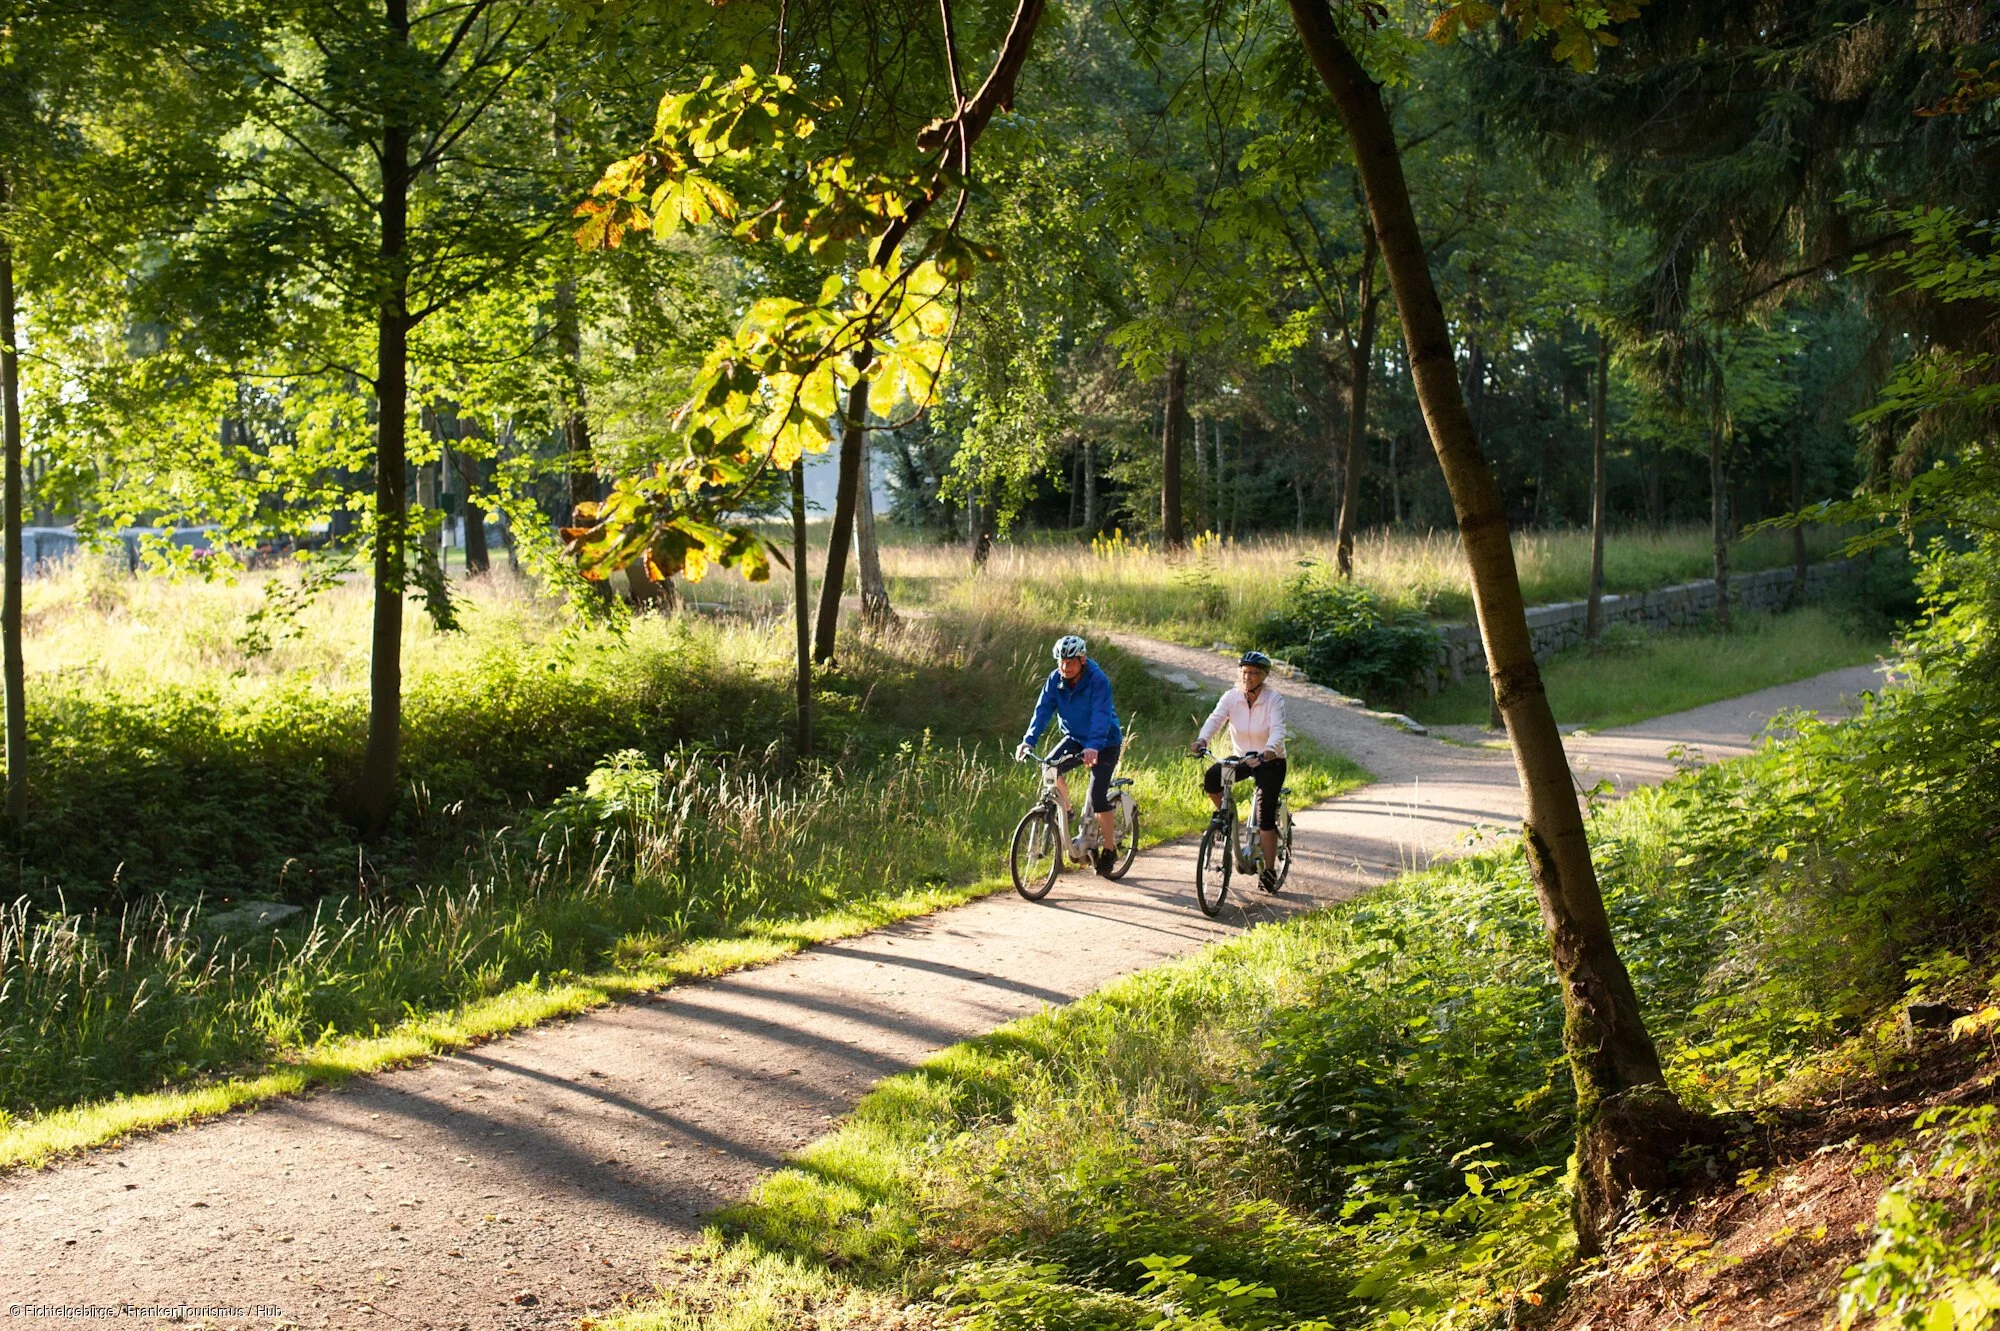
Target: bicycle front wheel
1211, 870
1283, 868
1036, 855
1128, 837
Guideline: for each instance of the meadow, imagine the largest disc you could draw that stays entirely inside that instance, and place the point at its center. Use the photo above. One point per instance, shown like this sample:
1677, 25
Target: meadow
587, 816
1223, 590
1634, 674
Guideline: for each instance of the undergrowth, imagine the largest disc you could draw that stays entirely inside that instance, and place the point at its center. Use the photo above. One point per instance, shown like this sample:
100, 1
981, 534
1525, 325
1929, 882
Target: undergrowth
643, 867
1361, 1118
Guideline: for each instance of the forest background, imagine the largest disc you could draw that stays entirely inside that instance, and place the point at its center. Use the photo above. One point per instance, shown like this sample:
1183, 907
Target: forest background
322, 279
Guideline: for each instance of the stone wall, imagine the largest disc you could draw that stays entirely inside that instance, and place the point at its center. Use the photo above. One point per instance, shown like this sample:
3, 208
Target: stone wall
1561, 625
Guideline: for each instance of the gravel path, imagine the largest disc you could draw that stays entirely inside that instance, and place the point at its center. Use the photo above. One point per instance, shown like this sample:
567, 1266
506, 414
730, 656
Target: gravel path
531, 1181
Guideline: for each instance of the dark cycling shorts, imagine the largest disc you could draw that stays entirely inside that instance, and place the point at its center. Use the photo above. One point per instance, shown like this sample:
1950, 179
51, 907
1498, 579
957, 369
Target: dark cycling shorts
1270, 778
1068, 756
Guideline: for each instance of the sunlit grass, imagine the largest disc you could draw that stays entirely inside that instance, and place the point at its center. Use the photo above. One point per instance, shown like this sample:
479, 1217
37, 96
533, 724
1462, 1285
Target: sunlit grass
714, 880
1640, 675
142, 1014
1221, 590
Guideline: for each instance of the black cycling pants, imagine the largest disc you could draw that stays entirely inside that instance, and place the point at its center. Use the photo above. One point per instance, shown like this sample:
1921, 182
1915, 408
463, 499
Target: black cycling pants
1270, 778
1068, 756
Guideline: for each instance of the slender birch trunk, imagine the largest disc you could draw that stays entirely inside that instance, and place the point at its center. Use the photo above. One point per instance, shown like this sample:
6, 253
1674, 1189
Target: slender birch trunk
800, 615
1172, 440
852, 441
375, 793
14, 668
875, 608
1361, 364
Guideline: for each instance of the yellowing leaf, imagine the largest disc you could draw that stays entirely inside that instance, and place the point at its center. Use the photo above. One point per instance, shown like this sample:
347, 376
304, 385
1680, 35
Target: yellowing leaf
1977, 1023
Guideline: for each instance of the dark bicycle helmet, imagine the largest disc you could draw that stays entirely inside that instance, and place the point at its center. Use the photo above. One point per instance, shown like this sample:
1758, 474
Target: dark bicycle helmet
1070, 647
1258, 659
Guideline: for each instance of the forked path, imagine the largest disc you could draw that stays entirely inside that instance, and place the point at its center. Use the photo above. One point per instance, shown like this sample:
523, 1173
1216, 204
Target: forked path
533, 1180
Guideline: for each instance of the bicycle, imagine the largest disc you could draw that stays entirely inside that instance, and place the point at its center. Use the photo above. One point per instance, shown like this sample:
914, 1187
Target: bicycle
1230, 844
1042, 835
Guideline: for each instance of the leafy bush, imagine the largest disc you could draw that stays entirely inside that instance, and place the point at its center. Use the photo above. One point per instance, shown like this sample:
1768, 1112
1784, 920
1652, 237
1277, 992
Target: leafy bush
221, 790
229, 788
1346, 637
1936, 1243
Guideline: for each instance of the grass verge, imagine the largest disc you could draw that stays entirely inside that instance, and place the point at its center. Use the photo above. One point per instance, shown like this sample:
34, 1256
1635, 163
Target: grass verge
1638, 675
40, 1138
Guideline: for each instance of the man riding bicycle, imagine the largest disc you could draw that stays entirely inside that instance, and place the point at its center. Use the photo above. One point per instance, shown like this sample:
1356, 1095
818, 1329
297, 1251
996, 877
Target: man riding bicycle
1078, 693
1255, 716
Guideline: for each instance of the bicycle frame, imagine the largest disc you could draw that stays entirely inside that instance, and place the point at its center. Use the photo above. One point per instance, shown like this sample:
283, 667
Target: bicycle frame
1245, 847
1093, 837
1051, 781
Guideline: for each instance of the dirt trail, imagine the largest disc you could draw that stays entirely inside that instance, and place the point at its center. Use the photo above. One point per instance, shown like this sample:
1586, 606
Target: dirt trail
533, 1180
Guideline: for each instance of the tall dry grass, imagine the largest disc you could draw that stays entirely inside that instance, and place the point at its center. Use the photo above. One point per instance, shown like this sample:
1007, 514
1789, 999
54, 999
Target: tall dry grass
1224, 589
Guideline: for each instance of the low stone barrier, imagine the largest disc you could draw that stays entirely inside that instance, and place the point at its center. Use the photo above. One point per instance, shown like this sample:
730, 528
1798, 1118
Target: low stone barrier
1561, 625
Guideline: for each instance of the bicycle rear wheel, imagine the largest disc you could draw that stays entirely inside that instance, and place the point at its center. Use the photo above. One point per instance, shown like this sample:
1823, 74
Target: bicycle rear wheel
1128, 837
1283, 868
1211, 870
1036, 854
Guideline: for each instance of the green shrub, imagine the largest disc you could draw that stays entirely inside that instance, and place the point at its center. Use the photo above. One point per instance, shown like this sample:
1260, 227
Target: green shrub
1346, 637
230, 789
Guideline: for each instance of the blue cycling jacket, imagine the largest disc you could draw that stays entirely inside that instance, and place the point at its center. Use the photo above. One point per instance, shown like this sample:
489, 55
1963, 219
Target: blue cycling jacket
1084, 708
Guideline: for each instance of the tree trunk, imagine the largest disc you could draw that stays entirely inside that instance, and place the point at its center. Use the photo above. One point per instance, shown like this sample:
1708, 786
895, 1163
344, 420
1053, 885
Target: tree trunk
1655, 501
1201, 514
15, 671
503, 447
1223, 494
1798, 596
576, 403
1475, 359
1718, 507
427, 504
875, 608
1594, 612
1395, 483
1172, 440
375, 794
1627, 1118
852, 440
1092, 519
800, 591
1360, 364
478, 560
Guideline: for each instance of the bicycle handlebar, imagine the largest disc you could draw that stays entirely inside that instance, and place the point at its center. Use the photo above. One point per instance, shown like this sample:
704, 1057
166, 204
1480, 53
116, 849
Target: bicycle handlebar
1234, 760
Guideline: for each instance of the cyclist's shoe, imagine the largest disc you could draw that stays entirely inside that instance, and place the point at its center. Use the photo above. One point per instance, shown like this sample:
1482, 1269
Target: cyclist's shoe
1107, 860
1268, 879
1218, 819
1077, 854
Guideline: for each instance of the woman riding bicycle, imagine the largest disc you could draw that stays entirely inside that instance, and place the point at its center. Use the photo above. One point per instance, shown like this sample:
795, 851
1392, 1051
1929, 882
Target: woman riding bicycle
1078, 693
1256, 719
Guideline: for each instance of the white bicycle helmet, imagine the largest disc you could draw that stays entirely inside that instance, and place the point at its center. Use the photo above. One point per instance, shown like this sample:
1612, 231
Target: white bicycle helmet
1069, 647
